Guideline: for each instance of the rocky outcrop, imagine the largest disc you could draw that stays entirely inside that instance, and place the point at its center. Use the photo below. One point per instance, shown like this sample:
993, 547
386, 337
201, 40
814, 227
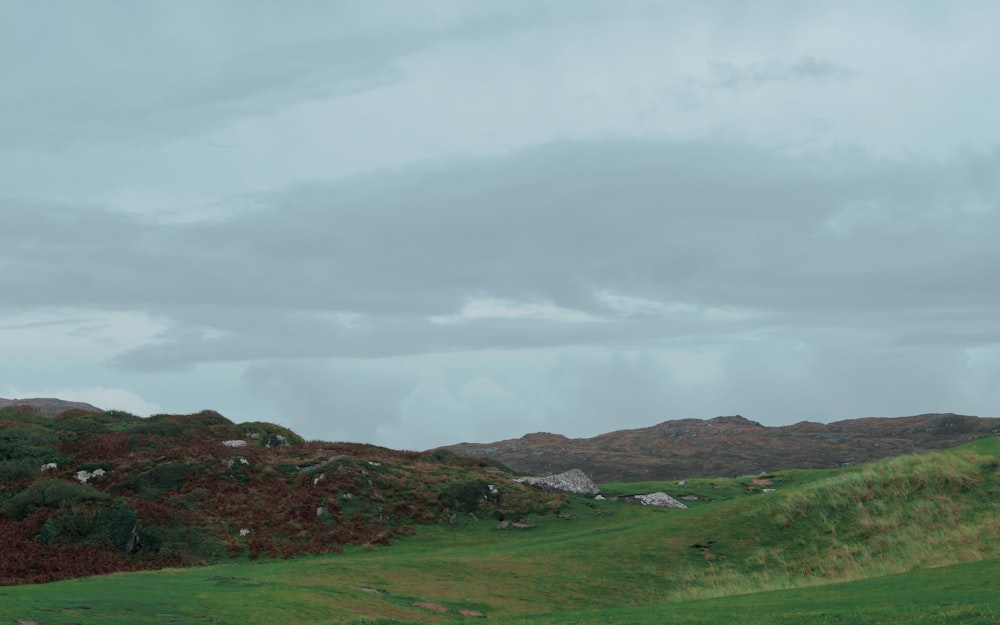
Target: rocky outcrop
661, 500
573, 481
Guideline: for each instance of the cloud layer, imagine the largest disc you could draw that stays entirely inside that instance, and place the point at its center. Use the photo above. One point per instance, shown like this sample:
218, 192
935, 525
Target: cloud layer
410, 224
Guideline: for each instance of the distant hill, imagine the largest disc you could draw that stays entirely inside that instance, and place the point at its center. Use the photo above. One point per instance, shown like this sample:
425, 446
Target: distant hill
730, 446
49, 406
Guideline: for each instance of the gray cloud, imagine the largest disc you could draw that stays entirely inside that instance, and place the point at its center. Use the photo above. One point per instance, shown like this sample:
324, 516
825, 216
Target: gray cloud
118, 72
359, 269
469, 220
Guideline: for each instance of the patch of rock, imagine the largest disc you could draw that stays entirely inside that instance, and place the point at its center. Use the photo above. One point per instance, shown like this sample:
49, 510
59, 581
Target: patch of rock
661, 500
573, 481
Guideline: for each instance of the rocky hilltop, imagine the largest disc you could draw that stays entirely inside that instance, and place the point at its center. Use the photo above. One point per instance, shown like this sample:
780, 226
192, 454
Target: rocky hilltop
730, 446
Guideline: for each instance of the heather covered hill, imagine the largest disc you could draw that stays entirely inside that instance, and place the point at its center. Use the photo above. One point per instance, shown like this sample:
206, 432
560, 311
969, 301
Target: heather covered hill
730, 446
94, 492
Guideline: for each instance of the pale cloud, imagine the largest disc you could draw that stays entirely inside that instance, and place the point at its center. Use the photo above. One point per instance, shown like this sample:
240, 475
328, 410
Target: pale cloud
493, 308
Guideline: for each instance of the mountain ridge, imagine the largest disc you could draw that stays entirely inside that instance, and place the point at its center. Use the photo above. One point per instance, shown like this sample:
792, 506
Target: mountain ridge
728, 446
49, 406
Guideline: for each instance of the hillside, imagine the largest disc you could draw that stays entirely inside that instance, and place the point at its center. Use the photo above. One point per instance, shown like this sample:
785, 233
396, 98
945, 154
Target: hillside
730, 446
744, 552
84, 492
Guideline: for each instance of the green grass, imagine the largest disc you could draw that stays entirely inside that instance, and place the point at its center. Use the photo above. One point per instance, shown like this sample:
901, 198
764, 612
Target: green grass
779, 557
958, 594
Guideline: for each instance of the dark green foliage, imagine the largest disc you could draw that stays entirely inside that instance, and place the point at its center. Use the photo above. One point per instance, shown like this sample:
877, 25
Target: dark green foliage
188, 427
441, 456
120, 416
287, 468
74, 424
49, 493
239, 470
269, 434
154, 483
446, 457
464, 496
93, 466
29, 444
12, 470
80, 425
101, 522
21, 413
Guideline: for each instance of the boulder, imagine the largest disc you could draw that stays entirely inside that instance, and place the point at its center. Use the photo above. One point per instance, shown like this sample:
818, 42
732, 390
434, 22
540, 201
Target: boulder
662, 500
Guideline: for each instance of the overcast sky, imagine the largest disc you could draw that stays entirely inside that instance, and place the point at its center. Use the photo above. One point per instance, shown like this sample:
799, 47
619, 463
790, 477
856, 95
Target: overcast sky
417, 223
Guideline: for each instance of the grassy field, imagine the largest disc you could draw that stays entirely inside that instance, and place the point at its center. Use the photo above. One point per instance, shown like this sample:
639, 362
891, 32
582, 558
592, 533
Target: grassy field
920, 531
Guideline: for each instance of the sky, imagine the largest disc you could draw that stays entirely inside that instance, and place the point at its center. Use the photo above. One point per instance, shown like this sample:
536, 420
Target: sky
421, 222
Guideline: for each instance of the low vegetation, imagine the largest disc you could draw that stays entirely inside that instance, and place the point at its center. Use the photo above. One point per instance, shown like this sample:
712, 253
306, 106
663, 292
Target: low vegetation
913, 539
87, 493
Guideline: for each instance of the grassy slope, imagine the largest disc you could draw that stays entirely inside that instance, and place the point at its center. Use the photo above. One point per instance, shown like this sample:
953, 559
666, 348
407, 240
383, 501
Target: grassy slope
624, 564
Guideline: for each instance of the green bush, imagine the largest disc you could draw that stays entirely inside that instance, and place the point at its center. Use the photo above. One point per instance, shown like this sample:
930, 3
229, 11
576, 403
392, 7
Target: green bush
189, 427
49, 493
464, 496
97, 522
269, 434
29, 443
120, 415
81, 424
12, 470
161, 479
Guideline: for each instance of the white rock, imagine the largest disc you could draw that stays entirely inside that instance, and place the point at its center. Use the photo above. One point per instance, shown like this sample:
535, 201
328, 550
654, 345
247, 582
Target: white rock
244, 532
662, 500
572, 481
234, 443
84, 476
49, 466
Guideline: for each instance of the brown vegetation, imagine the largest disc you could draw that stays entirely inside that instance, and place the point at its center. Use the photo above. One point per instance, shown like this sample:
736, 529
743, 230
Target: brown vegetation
730, 446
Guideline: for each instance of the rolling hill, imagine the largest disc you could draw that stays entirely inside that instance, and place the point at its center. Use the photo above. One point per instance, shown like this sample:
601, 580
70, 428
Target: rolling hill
913, 539
93, 492
730, 446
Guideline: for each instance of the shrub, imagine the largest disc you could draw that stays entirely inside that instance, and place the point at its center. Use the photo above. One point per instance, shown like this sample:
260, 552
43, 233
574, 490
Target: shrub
13, 470
34, 444
154, 483
464, 496
120, 415
96, 522
80, 424
270, 435
49, 493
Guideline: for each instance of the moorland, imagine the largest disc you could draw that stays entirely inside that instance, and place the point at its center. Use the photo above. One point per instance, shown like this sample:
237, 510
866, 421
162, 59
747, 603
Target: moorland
196, 519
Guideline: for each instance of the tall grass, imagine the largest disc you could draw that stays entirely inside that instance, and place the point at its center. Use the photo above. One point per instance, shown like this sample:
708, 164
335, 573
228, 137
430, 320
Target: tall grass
892, 516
